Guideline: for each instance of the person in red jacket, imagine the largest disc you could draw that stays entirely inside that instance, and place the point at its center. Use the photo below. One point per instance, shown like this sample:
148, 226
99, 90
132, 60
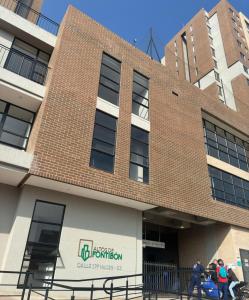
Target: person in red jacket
222, 276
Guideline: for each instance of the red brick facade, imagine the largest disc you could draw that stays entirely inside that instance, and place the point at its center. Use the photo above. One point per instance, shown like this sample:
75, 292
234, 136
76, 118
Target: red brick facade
178, 167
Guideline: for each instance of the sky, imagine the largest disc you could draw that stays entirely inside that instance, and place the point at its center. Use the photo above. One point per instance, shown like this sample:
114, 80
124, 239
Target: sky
132, 19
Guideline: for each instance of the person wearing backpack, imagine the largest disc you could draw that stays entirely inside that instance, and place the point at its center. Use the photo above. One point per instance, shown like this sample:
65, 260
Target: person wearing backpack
222, 276
195, 280
233, 282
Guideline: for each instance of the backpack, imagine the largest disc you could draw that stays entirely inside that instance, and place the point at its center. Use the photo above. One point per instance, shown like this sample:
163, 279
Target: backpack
223, 272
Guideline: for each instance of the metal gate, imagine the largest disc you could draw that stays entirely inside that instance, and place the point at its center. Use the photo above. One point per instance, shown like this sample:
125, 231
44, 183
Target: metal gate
166, 278
244, 255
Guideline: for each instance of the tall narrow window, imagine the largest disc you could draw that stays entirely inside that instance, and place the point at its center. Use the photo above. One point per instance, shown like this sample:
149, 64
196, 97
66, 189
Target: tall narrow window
186, 56
242, 56
220, 90
103, 145
217, 76
140, 96
109, 79
42, 247
213, 52
139, 159
15, 125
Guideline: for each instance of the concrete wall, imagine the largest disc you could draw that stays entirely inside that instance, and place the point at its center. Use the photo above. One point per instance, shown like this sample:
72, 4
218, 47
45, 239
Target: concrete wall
106, 225
213, 242
6, 40
8, 204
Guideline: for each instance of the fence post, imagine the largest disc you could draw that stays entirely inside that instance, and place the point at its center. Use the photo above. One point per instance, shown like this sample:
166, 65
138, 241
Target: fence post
179, 284
126, 291
30, 290
25, 284
111, 291
46, 294
91, 296
73, 297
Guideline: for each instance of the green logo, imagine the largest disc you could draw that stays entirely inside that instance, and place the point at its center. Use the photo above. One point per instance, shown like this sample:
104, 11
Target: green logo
88, 250
85, 253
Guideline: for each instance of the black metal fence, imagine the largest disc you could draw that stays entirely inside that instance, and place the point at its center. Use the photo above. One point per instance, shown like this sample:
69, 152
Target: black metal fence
32, 15
166, 278
23, 65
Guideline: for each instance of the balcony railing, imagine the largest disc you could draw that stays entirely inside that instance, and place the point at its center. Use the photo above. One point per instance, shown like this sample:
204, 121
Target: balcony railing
31, 15
23, 65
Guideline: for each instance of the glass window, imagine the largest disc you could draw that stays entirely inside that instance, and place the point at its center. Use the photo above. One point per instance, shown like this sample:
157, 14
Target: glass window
15, 125
42, 246
139, 157
140, 95
226, 146
109, 79
23, 7
103, 144
217, 76
229, 188
27, 61
242, 56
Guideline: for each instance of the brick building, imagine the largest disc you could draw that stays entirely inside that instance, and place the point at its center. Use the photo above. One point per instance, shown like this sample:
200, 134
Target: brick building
109, 159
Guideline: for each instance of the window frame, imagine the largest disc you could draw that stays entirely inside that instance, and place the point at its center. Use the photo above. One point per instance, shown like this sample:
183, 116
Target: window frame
140, 155
35, 61
234, 190
93, 149
227, 145
109, 79
5, 115
27, 240
136, 94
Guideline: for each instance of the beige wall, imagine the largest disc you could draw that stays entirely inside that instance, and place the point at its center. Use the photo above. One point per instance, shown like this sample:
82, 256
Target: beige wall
107, 225
213, 242
8, 204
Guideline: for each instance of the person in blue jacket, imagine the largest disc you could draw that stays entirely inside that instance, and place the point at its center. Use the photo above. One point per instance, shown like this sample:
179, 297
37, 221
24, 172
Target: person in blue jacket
195, 280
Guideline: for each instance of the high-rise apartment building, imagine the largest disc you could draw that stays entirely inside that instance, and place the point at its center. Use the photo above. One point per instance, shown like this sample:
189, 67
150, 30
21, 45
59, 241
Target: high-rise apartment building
109, 159
211, 52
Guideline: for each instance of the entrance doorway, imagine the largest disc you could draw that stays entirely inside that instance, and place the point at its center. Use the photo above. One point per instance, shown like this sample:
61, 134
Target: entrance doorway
160, 244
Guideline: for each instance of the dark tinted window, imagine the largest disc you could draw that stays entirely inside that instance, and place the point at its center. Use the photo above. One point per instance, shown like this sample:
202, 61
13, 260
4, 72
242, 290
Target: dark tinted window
15, 125
229, 188
109, 79
42, 246
103, 145
139, 157
140, 96
226, 146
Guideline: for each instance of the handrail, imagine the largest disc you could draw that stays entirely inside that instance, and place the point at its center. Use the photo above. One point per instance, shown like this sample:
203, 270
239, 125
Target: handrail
172, 281
36, 71
32, 15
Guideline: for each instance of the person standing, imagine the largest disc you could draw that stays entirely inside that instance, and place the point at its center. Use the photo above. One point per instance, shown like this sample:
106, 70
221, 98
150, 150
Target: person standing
222, 276
195, 280
212, 271
233, 282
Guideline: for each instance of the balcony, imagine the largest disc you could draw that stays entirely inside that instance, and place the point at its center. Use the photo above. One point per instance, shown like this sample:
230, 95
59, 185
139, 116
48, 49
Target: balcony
23, 65
31, 15
22, 78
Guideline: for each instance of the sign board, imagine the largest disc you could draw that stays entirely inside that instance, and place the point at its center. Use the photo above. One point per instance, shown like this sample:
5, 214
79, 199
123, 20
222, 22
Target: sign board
98, 257
153, 244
